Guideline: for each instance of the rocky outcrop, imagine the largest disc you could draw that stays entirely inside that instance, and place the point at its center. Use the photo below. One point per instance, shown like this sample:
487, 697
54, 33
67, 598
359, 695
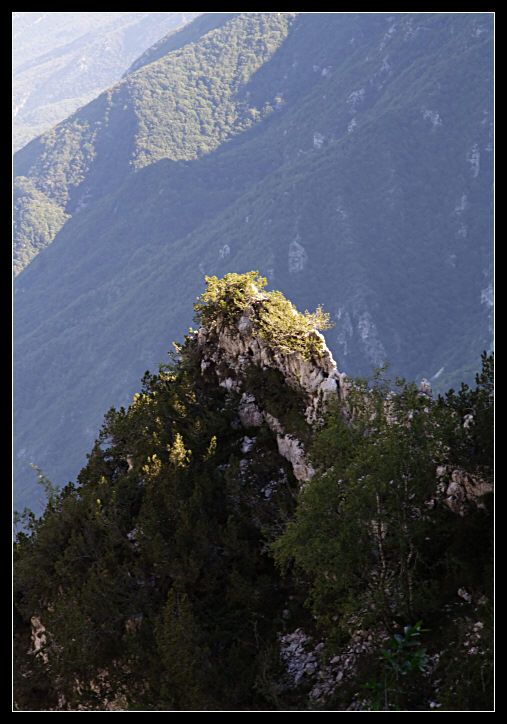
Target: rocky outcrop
292, 450
249, 412
459, 489
38, 638
236, 349
289, 446
305, 663
231, 350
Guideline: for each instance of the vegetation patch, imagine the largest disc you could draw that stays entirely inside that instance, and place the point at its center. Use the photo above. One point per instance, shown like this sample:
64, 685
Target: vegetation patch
273, 317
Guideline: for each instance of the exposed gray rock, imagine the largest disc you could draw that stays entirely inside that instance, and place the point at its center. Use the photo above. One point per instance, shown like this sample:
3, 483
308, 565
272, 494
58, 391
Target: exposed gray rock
297, 257
462, 231
464, 488
38, 637
318, 140
355, 98
300, 661
425, 387
229, 384
244, 324
247, 444
461, 205
468, 421
388, 36
459, 489
474, 159
487, 296
249, 412
433, 117
304, 662
292, 450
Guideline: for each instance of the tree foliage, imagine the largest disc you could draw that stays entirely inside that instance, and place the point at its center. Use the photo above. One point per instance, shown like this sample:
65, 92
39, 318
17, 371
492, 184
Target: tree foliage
273, 317
151, 577
376, 534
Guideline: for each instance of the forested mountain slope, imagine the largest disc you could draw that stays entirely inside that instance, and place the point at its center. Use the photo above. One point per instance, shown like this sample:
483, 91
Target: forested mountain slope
63, 60
347, 157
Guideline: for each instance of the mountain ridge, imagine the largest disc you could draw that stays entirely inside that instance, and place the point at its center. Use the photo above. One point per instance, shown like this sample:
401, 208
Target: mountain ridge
180, 37
61, 61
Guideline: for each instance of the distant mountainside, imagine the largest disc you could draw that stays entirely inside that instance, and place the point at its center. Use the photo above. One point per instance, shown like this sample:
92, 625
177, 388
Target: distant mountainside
347, 157
63, 60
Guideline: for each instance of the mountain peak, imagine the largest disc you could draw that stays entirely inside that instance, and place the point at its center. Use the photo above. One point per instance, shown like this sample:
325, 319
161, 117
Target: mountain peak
254, 341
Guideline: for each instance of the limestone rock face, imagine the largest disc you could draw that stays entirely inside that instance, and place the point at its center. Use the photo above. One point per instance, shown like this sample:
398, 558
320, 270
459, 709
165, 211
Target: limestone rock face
249, 413
292, 450
304, 661
231, 350
38, 637
460, 489
297, 257
317, 376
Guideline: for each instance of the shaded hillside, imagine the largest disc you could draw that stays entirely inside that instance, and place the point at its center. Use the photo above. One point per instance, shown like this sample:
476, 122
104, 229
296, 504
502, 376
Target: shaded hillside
348, 157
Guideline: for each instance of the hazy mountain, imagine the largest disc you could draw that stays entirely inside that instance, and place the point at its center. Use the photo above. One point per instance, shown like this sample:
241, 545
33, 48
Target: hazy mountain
63, 60
347, 157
